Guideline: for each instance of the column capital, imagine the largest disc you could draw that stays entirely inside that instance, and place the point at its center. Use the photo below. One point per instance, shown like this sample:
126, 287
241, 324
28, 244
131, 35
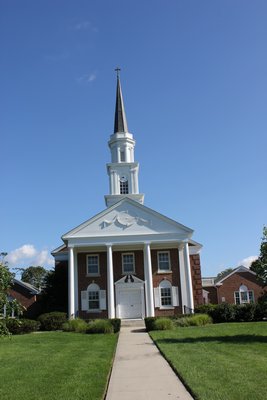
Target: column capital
109, 244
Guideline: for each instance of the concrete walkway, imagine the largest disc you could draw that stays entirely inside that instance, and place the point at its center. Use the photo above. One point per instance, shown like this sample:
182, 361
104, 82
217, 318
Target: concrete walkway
140, 372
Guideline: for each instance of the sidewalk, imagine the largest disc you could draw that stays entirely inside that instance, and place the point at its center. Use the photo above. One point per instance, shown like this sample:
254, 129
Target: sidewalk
140, 372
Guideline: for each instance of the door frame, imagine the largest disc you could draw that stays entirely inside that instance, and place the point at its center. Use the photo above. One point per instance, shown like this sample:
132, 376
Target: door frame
120, 285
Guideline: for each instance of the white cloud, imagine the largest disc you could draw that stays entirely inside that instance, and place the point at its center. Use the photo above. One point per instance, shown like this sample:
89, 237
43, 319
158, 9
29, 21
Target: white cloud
87, 78
85, 25
27, 255
246, 262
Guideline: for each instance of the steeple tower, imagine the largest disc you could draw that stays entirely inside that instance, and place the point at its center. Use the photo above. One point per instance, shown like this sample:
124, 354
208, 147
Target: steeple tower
123, 170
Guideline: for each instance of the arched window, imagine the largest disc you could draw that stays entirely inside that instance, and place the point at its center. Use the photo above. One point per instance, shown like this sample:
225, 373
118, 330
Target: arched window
243, 295
124, 187
93, 297
165, 291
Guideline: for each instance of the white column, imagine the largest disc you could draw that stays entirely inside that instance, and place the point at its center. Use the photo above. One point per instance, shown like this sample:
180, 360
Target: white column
188, 276
111, 305
71, 284
183, 283
76, 294
150, 310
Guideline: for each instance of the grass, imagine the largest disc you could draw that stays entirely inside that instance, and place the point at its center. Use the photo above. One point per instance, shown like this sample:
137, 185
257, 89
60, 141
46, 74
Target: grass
219, 362
55, 366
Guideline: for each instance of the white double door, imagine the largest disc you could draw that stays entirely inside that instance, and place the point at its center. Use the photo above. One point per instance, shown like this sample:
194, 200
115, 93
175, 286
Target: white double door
130, 303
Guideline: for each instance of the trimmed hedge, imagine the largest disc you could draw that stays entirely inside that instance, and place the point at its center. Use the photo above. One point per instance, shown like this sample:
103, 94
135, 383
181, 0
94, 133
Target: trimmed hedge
116, 323
234, 313
21, 326
52, 321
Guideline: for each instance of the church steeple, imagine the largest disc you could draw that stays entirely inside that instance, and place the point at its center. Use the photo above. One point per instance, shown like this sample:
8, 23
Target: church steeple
120, 122
123, 170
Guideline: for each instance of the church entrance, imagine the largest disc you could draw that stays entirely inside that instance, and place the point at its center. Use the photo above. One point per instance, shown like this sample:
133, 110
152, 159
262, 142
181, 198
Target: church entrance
130, 299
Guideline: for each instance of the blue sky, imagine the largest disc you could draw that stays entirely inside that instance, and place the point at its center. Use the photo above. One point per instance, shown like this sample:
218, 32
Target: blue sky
194, 79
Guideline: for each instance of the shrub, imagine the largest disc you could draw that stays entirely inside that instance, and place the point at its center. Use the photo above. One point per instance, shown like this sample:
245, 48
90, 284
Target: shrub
182, 322
205, 309
223, 313
150, 323
116, 323
100, 326
261, 311
163, 324
52, 321
245, 312
75, 325
3, 329
20, 326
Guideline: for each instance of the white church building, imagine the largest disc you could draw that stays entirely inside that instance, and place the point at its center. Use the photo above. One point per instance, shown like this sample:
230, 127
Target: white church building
129, 261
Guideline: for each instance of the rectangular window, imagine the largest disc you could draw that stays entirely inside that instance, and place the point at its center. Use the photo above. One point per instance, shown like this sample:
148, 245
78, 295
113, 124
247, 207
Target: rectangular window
244, 297
124, 188
251, 296
164, 261
237, 298
166, 297
93, 298
93, 264
122, 156
128, 263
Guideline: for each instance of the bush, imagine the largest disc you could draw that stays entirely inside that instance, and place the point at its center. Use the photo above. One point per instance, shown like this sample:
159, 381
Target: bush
150, 323
245, 312
52, 321
194, 320
3, 329
261, 311
100, 326
75, 325
163, 324
205, 309
116, 323
20, 326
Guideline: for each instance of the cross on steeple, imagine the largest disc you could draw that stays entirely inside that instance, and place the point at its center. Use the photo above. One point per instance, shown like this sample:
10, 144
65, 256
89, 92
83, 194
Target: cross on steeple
118, 70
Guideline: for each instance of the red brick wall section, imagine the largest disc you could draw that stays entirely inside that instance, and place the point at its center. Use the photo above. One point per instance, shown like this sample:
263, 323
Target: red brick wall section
213, 297
196, 279
22, 296
173, 276
233, 283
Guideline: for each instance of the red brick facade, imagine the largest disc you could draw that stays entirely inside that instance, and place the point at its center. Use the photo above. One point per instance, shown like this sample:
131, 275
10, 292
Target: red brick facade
173, 276
230, 285
25, 298
224, 291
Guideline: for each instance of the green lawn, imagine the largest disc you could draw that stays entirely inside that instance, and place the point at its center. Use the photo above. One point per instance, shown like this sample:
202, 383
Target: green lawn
55, 366
219, 362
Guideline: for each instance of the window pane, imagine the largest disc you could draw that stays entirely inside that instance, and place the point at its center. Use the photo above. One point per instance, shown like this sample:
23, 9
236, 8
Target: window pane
164, 262
251, 296
92, 266
166, 298
128, 263
244, 297
93, 300
237, 298
124, 187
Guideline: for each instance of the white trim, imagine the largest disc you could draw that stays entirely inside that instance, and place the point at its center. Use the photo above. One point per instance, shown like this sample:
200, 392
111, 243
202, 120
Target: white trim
238, 269
169, 259
127, 272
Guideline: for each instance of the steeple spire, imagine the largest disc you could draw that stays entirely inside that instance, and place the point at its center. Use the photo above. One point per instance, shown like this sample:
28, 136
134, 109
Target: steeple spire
120, 122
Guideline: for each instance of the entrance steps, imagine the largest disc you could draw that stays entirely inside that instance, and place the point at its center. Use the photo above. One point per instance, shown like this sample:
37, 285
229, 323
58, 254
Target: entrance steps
135, 323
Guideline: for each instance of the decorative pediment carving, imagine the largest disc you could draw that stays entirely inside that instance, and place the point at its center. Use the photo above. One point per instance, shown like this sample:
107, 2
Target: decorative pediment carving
124, 220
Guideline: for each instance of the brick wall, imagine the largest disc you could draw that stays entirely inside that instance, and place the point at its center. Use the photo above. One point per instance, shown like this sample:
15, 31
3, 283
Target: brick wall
233, 283
196, 279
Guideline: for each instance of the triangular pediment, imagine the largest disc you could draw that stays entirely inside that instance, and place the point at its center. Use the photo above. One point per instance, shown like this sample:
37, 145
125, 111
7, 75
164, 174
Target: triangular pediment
128, 218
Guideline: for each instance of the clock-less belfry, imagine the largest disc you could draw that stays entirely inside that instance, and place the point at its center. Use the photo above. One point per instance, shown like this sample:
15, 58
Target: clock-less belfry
129, 261
123, 170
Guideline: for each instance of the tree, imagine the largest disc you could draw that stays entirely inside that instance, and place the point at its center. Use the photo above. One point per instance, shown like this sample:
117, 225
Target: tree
5, 280
224, 273
260, 265
35, 276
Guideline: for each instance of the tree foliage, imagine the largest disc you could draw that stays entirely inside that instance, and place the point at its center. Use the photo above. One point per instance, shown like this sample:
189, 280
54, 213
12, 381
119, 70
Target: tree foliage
35, 275
260, 265
5, 279
223, 273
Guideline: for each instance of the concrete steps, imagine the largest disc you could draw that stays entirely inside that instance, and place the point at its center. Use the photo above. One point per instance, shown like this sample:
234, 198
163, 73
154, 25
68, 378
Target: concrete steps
135, 323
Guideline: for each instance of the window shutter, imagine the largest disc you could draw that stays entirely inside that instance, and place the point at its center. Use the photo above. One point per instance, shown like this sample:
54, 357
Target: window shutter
103, 305
84, 300
175, 296
156, 297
